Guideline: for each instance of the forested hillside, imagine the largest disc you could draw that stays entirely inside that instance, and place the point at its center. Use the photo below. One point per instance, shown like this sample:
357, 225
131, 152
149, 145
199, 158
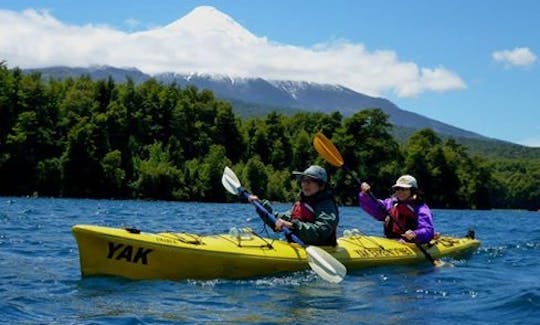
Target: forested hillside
78, 137
488, 148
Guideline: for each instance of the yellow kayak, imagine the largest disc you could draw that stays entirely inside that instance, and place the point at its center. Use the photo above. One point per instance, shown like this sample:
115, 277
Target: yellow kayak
134, 254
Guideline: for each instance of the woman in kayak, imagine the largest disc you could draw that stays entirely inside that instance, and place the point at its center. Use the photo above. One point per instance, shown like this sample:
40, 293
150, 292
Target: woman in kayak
314, 216
405, 214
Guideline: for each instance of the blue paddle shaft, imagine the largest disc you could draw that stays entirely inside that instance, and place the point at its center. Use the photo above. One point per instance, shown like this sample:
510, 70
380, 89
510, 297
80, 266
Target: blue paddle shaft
272, 218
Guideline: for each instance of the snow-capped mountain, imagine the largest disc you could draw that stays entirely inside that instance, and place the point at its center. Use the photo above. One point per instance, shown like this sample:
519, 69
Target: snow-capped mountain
209, 41
207, 22
210, 50
283, 94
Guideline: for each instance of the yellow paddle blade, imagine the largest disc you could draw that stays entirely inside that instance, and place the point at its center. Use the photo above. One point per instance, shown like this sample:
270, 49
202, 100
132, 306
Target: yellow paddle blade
327, 150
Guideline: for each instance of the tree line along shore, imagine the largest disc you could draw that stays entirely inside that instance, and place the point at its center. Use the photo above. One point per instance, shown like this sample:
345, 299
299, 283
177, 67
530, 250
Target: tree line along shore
79, 137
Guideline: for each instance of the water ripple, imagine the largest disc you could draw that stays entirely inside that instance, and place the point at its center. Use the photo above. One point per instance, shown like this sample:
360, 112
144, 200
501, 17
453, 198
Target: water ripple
40, 281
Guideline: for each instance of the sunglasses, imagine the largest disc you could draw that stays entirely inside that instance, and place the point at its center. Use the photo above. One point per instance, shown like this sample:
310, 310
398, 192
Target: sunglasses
401, 188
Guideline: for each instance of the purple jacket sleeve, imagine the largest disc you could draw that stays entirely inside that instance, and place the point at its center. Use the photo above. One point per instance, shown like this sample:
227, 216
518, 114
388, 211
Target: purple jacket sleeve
424, 232
372, 207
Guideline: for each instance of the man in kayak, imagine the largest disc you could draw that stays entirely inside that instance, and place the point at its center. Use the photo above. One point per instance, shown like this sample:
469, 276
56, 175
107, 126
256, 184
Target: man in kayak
405, 214
314, 216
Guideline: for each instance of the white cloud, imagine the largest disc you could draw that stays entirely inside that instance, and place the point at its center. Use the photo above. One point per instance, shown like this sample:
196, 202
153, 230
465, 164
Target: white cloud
132, 23
518, 57
209, 41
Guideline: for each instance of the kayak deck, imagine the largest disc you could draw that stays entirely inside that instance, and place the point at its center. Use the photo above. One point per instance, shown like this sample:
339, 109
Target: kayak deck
134, 254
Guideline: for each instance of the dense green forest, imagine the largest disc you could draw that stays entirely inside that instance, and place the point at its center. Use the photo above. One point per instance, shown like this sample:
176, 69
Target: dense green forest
77, 137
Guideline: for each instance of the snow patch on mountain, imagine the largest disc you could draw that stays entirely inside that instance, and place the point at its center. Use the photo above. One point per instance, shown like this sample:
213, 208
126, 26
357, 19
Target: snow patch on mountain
295, 88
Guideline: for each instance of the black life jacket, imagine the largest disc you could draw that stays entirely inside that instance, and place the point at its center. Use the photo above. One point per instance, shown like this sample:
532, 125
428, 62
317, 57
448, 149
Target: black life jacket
403, 213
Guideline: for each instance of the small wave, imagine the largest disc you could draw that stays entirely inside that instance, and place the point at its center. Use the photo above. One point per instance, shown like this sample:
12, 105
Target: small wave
523, 304
287, 279
18, 313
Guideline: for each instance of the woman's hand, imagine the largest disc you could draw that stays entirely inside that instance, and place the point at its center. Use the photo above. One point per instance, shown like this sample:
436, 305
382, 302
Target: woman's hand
387, 221
280, 223
364, 187
409, 235
252, 198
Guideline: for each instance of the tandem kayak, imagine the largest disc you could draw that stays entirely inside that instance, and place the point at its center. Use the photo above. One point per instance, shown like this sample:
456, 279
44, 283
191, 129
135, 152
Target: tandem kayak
134, 254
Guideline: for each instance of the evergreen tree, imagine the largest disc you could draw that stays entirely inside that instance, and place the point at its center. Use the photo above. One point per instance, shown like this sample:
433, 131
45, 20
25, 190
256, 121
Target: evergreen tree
77, 137
155, 175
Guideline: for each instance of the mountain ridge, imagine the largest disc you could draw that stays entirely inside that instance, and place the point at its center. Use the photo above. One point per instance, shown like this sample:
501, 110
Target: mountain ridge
284, 94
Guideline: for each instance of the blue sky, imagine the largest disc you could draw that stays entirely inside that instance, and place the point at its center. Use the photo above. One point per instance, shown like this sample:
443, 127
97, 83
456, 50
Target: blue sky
471, 64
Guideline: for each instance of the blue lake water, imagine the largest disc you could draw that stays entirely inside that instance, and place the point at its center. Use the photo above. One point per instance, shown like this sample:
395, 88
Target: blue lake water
40, 280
